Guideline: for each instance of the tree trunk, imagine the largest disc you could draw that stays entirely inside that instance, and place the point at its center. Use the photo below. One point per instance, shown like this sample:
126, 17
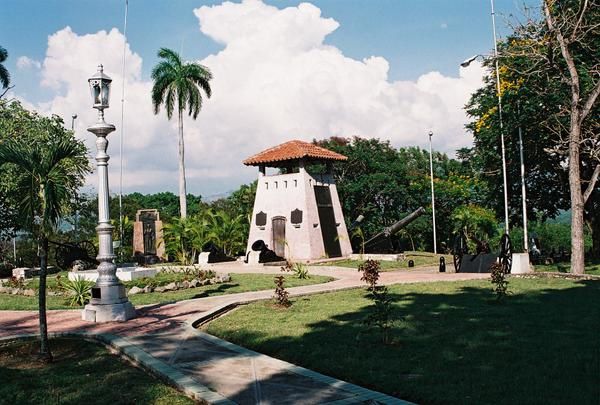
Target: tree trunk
45, 353
182, 190
577, 203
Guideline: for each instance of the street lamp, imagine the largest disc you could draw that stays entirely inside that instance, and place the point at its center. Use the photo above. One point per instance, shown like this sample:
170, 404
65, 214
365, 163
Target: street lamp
109, 301
432, 193
73, 118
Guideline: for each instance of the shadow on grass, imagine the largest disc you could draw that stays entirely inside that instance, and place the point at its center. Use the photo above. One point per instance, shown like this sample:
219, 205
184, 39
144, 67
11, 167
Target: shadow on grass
82, 372
541, 345
221, 289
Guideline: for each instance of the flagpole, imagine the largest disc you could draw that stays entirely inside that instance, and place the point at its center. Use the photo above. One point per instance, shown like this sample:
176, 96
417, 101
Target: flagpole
122, 132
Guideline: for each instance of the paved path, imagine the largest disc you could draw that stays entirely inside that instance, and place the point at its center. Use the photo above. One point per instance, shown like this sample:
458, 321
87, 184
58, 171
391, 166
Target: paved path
162, 339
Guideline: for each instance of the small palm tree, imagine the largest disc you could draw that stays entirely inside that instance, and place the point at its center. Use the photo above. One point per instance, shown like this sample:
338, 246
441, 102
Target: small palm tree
44, 184
4, 75
227, 231
178, 83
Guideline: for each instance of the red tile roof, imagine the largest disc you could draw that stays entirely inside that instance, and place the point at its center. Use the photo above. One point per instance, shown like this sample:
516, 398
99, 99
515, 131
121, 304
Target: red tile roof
292, 150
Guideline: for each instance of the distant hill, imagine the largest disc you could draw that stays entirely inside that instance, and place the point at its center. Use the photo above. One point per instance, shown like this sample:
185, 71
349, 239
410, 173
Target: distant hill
564, 217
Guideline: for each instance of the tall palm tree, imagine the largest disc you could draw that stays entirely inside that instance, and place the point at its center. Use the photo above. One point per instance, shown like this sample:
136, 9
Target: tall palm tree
178, 82
4, 75
45, 186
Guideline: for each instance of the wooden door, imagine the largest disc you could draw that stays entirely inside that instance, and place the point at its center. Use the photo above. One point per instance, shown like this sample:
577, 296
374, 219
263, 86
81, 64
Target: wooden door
329, 231
279, 236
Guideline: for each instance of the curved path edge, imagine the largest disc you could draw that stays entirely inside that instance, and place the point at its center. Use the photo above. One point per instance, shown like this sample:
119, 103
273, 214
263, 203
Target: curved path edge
163, 339
188, 385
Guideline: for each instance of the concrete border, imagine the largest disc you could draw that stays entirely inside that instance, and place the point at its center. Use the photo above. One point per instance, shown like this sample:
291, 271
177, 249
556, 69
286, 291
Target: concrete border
143, 360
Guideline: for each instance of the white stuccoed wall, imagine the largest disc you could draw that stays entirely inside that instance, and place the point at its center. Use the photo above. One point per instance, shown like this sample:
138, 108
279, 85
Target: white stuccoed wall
279, 195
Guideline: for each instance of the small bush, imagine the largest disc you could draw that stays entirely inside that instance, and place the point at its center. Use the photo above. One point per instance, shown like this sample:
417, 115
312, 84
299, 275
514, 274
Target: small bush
370, 269
498, 278
79, 291
281, 295
14, 282
381, 316
300, 270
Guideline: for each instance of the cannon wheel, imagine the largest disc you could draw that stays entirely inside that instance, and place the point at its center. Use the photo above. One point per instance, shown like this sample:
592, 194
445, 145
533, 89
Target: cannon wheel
61, 255
89, 248
459, 249
505, 256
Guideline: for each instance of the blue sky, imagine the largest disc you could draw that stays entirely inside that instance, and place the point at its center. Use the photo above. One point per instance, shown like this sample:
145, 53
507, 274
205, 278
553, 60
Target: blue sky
417, 38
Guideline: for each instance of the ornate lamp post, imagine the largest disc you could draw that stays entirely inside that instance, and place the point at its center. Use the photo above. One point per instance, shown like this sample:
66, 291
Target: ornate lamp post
109, 301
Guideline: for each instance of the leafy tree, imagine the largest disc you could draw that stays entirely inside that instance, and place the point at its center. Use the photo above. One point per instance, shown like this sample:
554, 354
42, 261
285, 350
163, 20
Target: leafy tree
25, 126
550, 85
184, 237
166, 203
573, 28
474, 220
178, 83
45, 185
239, 203
226, 231
4, 74
385, 184
8, 218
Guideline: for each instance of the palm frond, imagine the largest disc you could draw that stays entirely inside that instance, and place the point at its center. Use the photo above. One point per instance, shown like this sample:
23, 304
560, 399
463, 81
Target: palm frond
171, 56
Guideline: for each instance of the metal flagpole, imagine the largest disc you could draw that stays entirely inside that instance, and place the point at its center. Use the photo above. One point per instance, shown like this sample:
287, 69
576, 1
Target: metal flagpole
432, 193
523, 188
500, 117
122, 131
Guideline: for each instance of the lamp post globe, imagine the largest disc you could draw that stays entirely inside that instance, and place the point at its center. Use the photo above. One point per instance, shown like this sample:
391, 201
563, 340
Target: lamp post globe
109, 301
100, 89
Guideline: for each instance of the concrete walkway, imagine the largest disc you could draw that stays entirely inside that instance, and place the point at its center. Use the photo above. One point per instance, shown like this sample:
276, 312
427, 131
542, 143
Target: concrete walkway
163, 340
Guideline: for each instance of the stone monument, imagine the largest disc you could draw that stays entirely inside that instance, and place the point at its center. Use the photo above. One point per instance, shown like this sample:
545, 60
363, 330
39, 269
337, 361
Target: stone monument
148, 242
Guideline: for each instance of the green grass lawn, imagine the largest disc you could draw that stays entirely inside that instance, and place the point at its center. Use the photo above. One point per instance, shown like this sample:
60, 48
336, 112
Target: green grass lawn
592, 268
421, 259
238, 283
82, 373
453, 344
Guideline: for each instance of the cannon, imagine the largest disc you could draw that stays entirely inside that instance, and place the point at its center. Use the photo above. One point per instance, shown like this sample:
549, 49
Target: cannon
389, 231
483, 258
211, 253
265, 255
66, 253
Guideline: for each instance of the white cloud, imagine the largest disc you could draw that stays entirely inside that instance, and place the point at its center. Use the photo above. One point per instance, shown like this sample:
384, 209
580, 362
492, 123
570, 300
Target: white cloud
443, 26
25, 62
274, 80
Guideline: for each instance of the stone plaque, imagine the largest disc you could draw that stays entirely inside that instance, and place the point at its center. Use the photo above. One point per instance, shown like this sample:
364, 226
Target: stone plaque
296, 216
261, 219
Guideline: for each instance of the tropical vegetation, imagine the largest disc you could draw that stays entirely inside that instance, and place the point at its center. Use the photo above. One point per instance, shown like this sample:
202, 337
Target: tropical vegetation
179, 84
550, 88
4, 73
47, 165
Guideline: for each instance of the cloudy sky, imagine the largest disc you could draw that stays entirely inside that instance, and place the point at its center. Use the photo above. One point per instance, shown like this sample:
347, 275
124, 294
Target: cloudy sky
282, 70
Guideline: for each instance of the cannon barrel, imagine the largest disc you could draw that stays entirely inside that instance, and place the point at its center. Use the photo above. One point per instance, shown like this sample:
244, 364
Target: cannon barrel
393, 229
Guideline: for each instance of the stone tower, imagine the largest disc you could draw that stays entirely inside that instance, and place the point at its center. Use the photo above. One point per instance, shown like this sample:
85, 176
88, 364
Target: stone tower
298, 215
